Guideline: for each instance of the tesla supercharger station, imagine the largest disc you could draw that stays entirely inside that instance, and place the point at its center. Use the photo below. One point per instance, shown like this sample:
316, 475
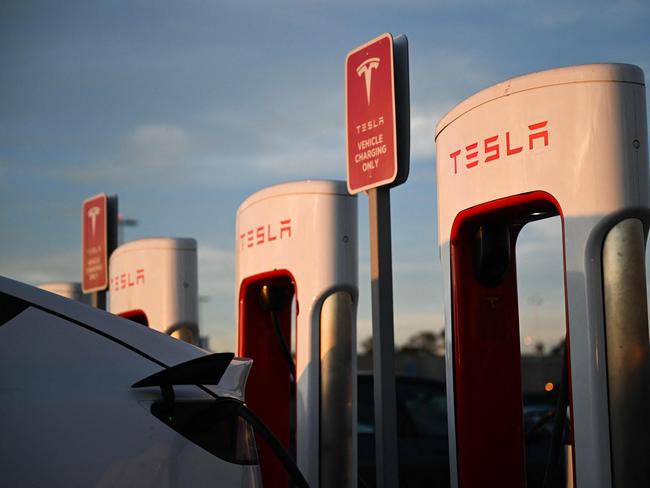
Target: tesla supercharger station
154, 282
570, 142
297, 255
68, 289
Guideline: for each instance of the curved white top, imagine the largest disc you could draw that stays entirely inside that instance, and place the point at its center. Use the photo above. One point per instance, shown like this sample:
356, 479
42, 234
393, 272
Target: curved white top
585, 73
68, 289
64, 288
156, 243
327, 187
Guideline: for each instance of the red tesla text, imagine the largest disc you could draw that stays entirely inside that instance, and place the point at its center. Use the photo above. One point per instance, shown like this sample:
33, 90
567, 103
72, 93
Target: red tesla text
127, 280
492, 148
263, 234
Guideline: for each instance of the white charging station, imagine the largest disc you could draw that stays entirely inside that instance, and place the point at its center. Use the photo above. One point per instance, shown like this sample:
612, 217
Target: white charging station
67, 289
299, 241
154, 282
569, 142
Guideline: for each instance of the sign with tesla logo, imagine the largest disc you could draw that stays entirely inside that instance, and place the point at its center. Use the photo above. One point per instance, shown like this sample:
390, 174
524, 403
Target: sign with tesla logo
94, 245
372, 123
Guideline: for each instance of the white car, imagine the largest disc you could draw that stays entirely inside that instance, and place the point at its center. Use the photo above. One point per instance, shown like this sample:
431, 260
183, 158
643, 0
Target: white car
91, 399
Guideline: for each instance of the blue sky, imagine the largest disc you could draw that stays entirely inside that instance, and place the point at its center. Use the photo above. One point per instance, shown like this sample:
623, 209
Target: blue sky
184, 109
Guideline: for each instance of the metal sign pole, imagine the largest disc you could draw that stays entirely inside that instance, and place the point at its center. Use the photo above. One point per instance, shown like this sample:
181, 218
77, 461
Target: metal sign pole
98, 299
112, 221
383, 343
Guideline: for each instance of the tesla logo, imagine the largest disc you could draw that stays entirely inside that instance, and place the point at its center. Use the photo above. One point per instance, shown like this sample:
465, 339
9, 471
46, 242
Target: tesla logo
127, 280
265, 233
365, 70
493, 149
93, 212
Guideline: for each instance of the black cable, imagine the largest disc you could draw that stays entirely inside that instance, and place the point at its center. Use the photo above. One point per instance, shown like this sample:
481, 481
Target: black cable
560, 420
283, 344
292, 379
272, 299
267, 434
362, 483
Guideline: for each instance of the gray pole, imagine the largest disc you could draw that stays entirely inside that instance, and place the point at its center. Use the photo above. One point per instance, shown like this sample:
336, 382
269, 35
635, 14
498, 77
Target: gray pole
383, 343
123, 222
628, 353
98, 299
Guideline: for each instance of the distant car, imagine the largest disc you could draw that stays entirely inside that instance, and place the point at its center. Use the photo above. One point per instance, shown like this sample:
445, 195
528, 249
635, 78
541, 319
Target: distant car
423, 449
539, 418
91, 399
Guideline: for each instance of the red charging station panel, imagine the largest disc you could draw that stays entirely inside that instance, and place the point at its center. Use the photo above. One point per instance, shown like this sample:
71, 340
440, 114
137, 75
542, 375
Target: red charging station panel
268, 389
486, 348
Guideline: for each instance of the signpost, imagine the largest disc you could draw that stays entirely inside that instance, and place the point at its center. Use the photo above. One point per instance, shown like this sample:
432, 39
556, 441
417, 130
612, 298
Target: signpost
377, 134
377, 114
98, 240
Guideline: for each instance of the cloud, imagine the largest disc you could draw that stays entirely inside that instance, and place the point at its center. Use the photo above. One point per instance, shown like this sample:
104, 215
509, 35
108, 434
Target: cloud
144, 154
442, 76
447, 73
216, 270
422, 135
556, 15
540, 282
541, 241
217, 295
424, 118
425, 266
234, 148
158, 144
40, 268
289, 127
406, 325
